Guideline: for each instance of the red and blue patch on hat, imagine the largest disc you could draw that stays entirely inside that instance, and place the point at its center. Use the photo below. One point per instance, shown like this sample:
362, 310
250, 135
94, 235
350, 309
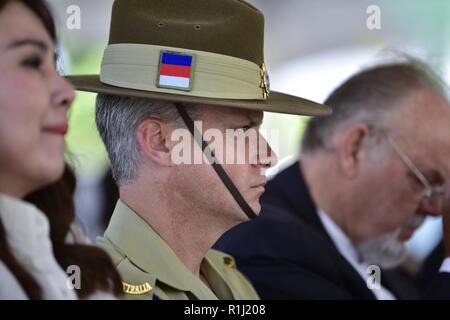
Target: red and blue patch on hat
175, 70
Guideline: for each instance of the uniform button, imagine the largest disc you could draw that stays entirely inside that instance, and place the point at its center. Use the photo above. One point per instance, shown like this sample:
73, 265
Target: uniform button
229, 262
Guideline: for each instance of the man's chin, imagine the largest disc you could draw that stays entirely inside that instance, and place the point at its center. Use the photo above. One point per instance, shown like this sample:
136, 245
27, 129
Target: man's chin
256, 207
240, 216
387, 252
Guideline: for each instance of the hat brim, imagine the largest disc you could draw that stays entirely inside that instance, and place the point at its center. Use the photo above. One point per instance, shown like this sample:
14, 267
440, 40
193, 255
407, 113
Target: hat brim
276, 102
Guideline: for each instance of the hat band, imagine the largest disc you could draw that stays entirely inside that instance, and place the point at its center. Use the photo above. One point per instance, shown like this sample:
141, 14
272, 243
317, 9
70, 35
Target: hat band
137, 66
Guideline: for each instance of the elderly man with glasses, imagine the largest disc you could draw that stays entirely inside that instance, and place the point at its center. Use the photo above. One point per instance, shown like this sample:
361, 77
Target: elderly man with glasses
334, 224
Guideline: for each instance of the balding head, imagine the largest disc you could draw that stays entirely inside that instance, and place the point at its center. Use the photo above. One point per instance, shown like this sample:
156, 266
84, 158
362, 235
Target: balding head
373, 97
422, 125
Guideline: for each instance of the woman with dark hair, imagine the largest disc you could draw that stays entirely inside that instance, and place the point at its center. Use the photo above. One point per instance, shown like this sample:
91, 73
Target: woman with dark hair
99, 279
36, 247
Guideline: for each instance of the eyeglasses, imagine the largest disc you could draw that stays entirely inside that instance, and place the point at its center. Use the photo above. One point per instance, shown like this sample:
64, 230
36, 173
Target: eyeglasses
434, 195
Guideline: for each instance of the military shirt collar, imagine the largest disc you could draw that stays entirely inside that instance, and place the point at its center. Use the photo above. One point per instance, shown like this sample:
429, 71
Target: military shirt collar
145, 248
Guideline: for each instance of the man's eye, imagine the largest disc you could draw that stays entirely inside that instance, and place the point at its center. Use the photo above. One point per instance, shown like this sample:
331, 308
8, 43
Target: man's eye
416, 181
243, 129
32, 62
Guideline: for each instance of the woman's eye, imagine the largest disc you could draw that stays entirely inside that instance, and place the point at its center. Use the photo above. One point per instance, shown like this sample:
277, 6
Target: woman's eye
32, 62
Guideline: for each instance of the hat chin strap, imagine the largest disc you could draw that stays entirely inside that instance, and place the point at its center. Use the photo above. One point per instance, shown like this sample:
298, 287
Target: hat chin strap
213, 161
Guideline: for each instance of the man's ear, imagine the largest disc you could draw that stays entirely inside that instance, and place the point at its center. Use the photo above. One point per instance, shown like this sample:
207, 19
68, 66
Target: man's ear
350, 150
152, 137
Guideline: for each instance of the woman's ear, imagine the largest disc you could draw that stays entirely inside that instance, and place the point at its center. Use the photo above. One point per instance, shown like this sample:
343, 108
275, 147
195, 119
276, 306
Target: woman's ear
350, 148
153, 138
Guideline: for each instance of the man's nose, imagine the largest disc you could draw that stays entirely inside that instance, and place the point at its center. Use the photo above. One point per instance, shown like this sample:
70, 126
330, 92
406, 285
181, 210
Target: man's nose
266, 156
428, 209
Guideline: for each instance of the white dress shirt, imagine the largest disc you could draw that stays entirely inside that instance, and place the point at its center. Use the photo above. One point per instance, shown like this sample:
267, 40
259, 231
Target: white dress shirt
445, 267
348, 250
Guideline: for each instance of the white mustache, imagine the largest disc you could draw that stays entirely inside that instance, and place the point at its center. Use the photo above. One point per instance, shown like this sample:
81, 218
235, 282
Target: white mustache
415, 222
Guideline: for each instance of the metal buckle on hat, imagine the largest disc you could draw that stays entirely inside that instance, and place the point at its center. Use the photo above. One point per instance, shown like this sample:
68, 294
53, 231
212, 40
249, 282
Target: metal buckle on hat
265, 83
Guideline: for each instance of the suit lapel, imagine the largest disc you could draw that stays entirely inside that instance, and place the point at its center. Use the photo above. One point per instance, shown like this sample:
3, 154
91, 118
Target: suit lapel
290, 192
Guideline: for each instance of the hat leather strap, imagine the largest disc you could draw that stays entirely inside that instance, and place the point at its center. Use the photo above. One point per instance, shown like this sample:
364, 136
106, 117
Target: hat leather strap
215, 164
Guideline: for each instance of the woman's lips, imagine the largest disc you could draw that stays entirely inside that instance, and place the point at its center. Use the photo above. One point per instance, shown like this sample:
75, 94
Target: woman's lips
57, 129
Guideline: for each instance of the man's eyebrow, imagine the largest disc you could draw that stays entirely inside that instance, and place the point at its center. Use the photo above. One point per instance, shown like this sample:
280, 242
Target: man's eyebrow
255, 120
28, 42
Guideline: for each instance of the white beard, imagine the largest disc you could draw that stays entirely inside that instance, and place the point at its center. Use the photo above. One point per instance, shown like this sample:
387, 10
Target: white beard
387, 251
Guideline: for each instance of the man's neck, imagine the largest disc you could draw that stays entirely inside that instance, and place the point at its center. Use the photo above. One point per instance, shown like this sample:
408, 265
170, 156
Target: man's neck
187, 231
321, 182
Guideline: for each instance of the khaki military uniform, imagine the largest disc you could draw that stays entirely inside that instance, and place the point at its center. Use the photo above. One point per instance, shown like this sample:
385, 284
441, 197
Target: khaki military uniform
151, 270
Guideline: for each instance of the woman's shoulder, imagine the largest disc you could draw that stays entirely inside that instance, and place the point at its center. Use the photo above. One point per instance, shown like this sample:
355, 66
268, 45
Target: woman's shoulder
10, 288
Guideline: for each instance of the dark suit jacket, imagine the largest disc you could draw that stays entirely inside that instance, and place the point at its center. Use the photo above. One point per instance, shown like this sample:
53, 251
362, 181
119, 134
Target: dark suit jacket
287, 253
431, 265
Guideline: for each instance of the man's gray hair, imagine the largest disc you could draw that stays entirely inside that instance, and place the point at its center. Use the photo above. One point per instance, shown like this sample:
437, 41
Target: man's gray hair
117, 119
369, 97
